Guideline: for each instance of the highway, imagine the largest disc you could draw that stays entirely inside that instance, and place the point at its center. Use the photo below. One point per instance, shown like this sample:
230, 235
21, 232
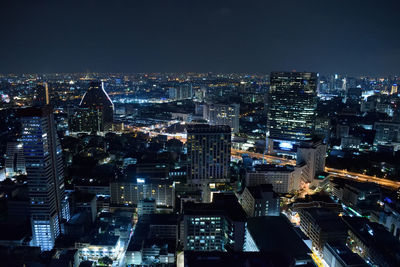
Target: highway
269, 159
333, 172
282, 161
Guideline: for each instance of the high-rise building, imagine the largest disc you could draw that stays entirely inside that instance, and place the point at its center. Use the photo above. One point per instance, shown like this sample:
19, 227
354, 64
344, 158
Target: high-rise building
45, 177
291, 110
209, 153
222, 114
15, 161
41, 96
97, 100
86, 120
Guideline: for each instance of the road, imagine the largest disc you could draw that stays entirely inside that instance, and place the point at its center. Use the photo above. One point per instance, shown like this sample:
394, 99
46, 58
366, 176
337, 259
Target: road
282, 161
333, 172
268, 158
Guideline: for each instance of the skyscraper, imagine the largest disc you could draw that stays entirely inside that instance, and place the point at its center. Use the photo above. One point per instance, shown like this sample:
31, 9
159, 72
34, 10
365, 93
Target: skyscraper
96, 100
291, 111
41, 96
209, 152
222, 114
45, 177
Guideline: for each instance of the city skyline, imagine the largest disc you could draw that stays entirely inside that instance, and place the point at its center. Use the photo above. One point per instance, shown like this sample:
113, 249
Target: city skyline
200, 133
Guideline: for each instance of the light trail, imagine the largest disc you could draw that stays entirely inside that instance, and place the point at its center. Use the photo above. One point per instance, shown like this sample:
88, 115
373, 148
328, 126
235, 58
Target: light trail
332, 171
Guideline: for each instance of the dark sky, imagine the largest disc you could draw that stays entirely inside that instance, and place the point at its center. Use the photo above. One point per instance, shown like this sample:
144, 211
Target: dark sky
327, 36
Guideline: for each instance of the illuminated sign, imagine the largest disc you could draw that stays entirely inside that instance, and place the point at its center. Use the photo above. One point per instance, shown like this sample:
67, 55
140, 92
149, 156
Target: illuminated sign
285, 145
140, 180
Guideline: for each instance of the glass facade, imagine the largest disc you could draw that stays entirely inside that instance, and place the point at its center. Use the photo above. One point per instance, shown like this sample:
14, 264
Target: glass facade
291, 111
45, 176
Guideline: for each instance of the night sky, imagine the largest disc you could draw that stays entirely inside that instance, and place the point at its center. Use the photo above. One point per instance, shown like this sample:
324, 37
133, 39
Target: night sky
326, 36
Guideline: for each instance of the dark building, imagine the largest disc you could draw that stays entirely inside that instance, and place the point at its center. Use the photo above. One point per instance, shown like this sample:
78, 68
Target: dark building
260, 200
45, 175
86, 120
275, 234
41, 96
337, 254
209, 154
291, 110
154, 240
235, 259
322, 225
373, 242
97, 101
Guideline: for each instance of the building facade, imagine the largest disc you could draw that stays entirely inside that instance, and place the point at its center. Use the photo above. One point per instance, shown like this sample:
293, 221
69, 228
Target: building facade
15, 161
291, 110
260, 200
222, 114
133, 191
312, 155
97, 101
284, 179
209, 153
216, 226
45, 175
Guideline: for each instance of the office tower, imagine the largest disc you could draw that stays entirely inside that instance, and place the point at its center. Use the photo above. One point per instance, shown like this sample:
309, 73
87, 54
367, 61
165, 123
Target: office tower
260, 200
222, 114
209, 153
312, 156
291, 111
86, 120
15, 161
41, 96
45, 177
216, 226
96, 100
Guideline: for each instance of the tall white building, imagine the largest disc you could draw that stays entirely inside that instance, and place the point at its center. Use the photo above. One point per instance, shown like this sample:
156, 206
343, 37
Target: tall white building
222, 114
45, 176
311, 155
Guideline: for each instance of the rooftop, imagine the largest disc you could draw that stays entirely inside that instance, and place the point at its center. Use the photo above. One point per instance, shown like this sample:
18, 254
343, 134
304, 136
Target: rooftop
348, 258
325, 218
276, 234
223, 204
